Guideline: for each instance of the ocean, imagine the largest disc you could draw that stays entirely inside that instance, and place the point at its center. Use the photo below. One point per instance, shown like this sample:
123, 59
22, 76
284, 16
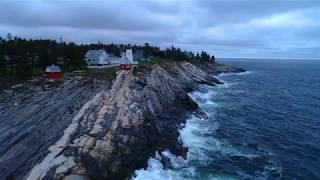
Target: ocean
261, 124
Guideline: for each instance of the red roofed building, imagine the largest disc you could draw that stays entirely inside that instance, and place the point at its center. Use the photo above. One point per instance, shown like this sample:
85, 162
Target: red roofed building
125, 66
54, 72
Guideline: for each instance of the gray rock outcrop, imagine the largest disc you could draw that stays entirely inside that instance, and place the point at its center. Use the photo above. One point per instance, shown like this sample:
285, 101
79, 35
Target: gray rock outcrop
34, 117
139, 115
106, 133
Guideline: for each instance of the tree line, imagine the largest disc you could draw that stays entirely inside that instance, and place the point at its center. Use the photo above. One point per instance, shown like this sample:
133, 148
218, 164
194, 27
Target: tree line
25, 57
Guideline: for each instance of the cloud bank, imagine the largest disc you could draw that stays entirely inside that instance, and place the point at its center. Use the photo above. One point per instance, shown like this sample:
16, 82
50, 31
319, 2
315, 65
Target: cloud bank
240, 28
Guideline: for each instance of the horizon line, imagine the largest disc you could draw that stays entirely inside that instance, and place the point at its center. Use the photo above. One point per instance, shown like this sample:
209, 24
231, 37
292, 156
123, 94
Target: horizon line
268, 58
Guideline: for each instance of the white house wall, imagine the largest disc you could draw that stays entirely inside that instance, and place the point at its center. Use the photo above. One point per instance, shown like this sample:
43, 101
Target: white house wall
103, 58
95, 57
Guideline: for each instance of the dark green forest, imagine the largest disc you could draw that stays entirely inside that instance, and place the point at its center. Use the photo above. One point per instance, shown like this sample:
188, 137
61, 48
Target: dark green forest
26, 57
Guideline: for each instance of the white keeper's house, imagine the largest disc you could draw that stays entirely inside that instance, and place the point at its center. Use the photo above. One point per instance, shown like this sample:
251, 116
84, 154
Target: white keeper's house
102, 58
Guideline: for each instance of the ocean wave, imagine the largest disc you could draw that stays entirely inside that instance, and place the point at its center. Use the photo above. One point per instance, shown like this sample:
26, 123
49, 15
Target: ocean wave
204, 99
203, 147
229, 74
226, 84
196, 136
157, 171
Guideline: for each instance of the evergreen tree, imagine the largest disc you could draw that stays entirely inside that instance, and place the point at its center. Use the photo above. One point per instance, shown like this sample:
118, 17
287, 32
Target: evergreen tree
3, 65
198, 56
205, 56
23, 69
44, 58
9, 37
213, 59
26, 54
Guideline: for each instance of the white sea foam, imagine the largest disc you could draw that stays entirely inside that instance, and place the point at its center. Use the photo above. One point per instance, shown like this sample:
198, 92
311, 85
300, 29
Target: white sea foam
245, 73
227, 85
241, 73
200, 146
202, 95
211, 103
204, 98
156, 170
196, 136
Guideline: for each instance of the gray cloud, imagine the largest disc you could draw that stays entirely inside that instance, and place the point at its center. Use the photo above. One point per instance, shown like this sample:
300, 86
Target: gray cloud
241, 28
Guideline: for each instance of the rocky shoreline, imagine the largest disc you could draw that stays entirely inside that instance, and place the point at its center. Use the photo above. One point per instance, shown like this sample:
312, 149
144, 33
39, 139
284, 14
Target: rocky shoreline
34, 115
116, 132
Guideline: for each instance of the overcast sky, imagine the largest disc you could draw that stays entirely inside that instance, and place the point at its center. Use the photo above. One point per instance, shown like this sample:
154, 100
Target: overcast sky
225, 28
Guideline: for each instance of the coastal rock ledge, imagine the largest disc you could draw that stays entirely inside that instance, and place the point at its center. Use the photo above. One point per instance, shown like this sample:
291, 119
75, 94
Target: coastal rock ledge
119, 129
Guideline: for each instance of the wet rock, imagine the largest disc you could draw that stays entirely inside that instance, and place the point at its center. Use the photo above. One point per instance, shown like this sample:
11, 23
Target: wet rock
102, 150
86, 142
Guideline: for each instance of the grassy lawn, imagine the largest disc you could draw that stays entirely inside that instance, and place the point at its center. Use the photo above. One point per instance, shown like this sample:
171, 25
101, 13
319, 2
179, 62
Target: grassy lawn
155, 61
108, 73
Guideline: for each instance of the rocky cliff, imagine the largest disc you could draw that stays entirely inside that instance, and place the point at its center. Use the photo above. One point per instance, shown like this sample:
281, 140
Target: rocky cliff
33, 116
119, 129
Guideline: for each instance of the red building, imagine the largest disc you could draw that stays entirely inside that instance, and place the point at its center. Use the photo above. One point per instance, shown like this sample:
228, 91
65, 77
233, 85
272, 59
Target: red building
54, 72
125, 66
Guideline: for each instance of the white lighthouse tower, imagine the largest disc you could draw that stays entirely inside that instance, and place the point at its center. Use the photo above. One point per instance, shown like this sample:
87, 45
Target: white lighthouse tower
129, 55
